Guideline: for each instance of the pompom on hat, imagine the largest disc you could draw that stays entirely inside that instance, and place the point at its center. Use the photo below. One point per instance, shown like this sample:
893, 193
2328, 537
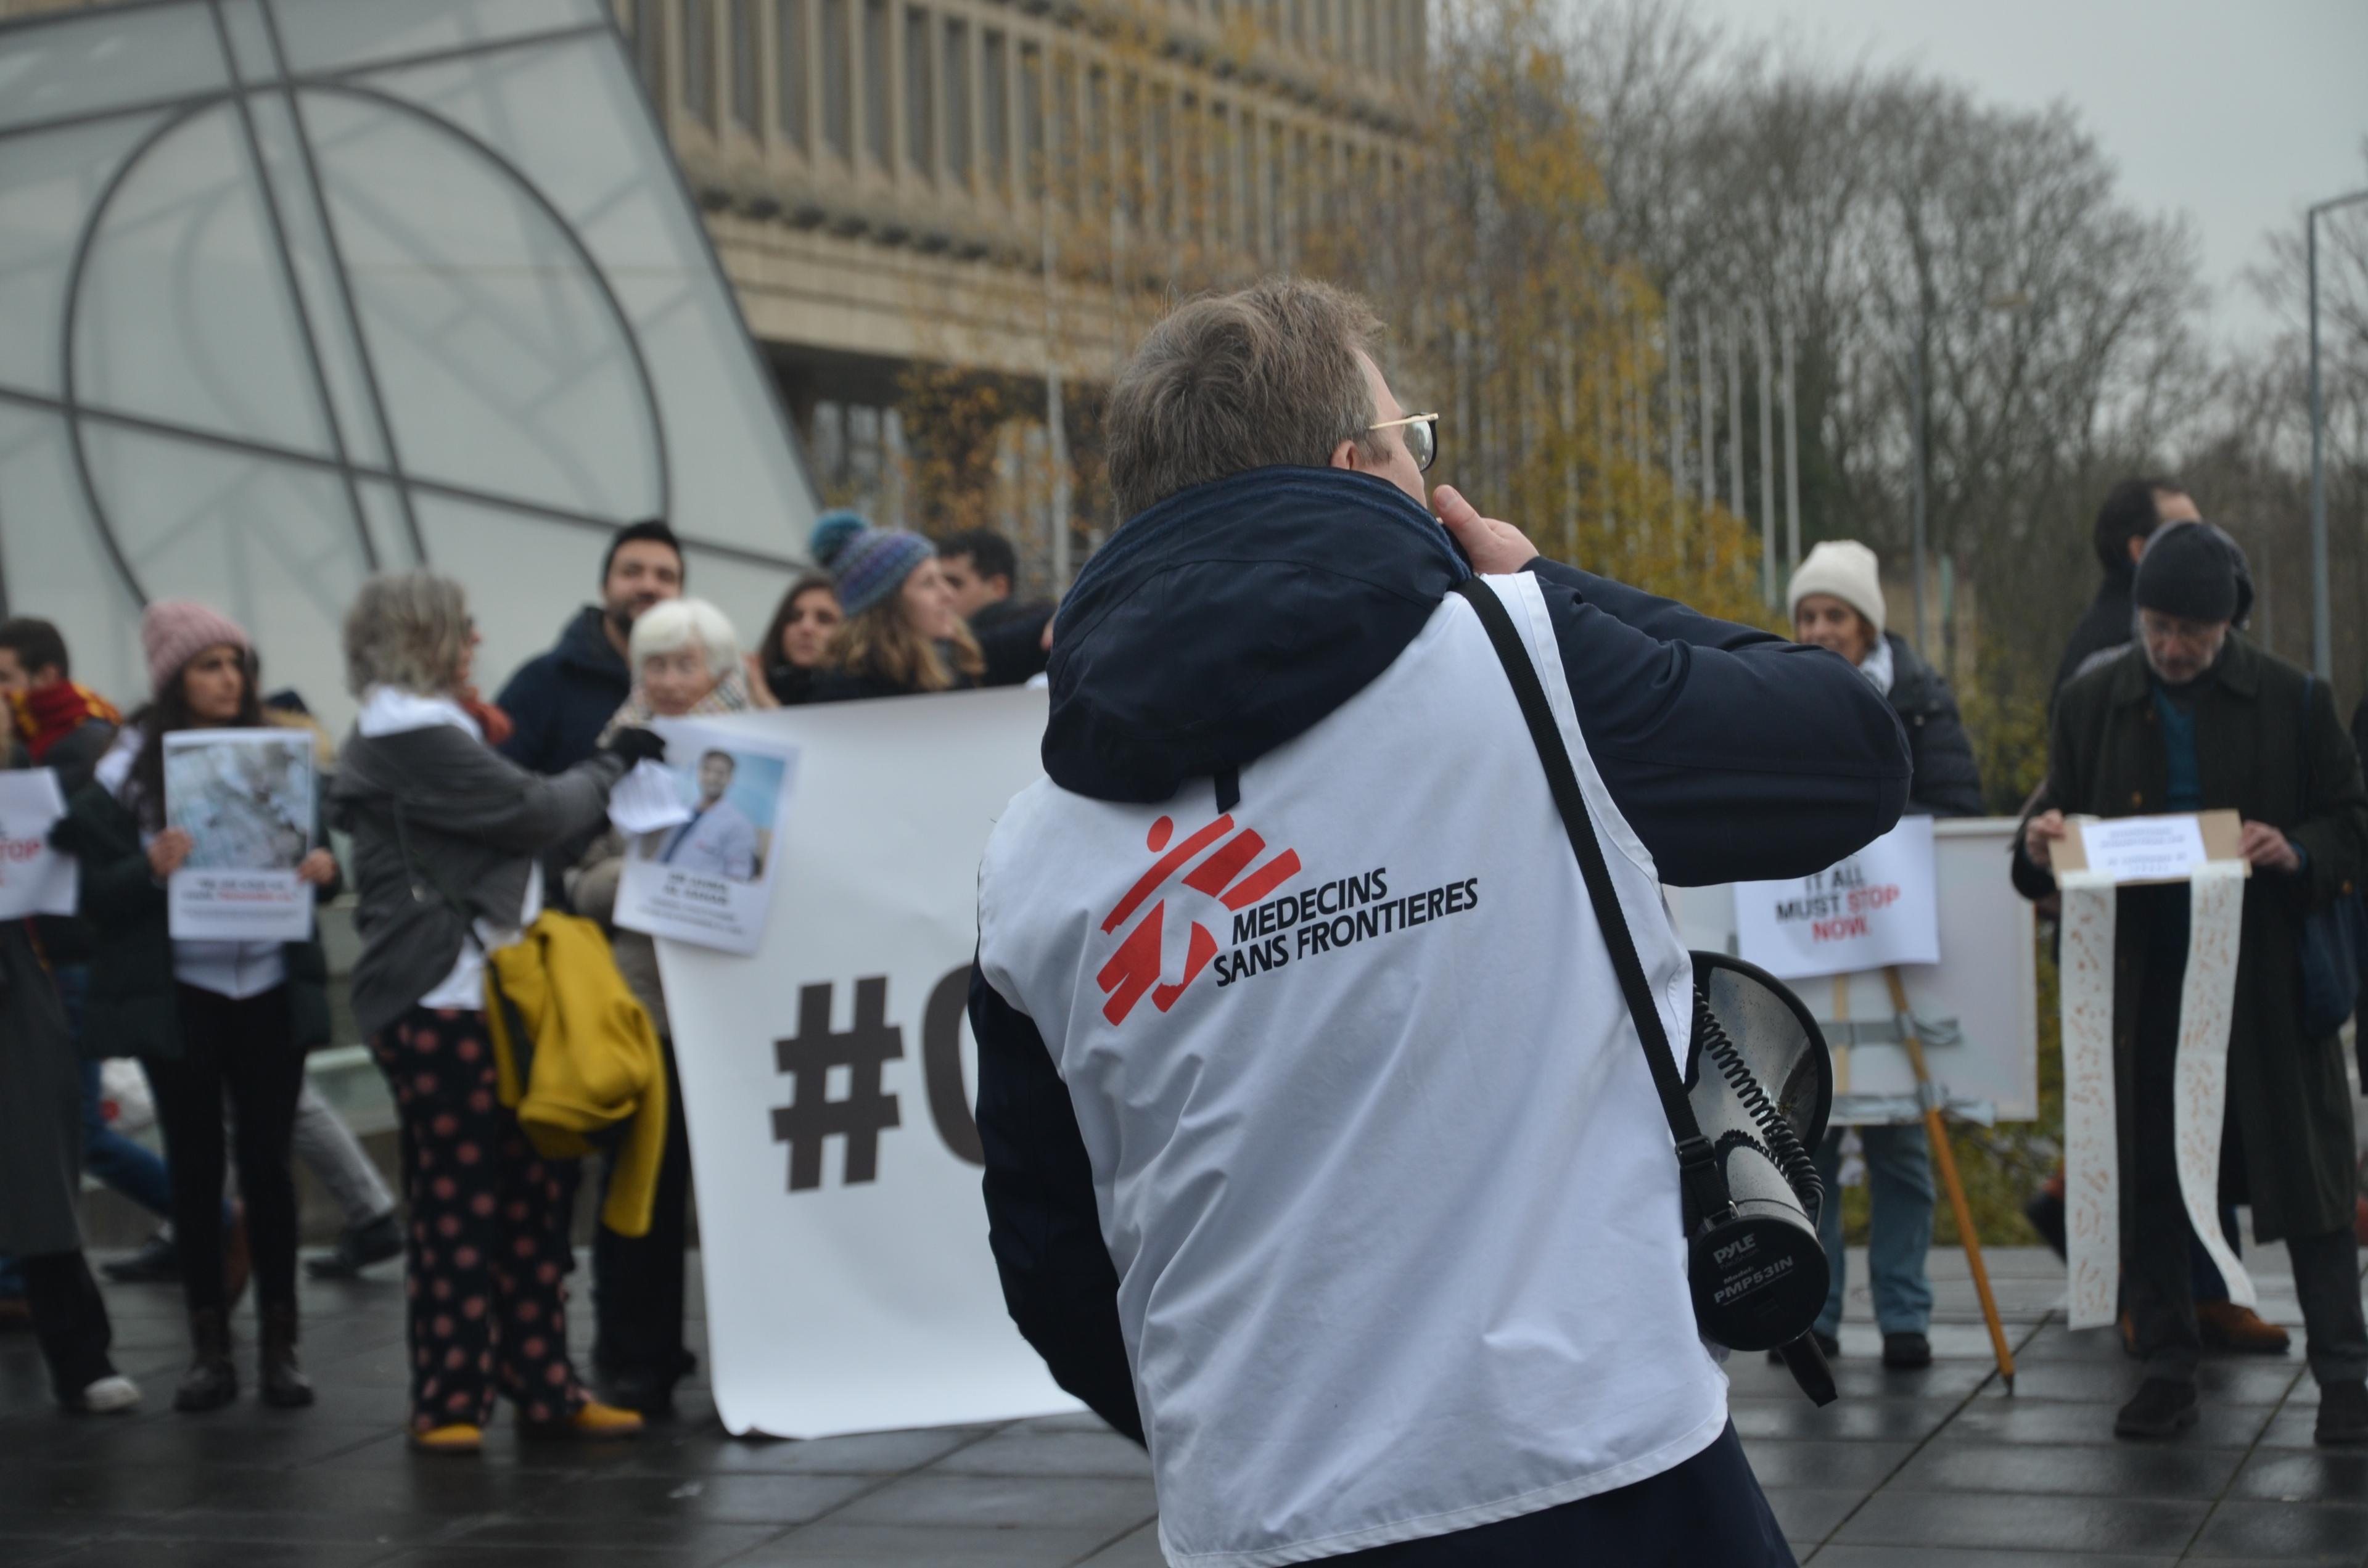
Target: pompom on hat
173, 631
866, 563
1845, 569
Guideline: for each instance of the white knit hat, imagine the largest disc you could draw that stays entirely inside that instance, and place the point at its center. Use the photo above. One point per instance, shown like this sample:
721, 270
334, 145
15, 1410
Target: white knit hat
1846, 570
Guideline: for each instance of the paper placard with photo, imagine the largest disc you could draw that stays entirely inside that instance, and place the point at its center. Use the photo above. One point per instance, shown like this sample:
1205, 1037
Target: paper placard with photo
247, 799
34, 877
709, 878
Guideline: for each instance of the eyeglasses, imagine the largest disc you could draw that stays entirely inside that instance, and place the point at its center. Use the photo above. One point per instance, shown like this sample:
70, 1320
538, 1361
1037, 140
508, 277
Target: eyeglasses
1421, 437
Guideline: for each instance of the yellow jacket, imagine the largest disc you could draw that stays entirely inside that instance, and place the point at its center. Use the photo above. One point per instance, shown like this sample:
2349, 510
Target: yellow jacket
592, 1062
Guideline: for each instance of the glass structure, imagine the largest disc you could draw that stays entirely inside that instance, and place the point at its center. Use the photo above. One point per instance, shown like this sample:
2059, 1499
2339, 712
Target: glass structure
294, 290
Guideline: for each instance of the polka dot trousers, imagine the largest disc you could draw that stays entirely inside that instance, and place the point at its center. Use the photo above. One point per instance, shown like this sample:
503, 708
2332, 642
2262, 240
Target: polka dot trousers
488, 1246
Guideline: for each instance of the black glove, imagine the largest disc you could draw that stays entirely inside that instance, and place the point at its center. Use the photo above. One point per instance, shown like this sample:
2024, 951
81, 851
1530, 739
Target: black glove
636, 744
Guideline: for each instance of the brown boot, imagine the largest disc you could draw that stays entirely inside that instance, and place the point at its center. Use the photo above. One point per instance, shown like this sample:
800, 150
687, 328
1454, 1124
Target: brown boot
2225, 1325
283, 1381
211, 1381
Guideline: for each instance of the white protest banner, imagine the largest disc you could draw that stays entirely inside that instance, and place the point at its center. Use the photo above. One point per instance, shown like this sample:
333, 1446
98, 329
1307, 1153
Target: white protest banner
34, 877
1875, 907
708, 876
827, 1079
245, 798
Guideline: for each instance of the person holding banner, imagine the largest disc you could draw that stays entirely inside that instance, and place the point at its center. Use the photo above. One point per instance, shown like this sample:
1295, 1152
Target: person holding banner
1321, 1146
686, 659
2194, 716
1835, 601
206, 1018
448, 836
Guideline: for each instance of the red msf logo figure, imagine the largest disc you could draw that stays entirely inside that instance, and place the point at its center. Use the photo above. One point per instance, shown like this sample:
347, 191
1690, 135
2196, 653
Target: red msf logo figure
1223, 876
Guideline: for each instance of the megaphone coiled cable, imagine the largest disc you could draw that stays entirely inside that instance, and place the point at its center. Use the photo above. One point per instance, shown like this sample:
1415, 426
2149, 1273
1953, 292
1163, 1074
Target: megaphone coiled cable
1783, 1144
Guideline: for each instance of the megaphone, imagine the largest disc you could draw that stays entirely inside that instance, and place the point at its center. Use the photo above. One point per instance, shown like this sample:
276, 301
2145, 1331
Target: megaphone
1760, 1081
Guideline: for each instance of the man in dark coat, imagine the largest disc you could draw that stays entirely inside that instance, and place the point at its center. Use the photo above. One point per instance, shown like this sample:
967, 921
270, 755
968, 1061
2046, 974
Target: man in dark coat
2131, 511
560, 701
2194, 717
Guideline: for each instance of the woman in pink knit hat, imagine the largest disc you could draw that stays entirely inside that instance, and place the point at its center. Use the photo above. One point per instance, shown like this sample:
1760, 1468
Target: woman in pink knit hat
206, 1018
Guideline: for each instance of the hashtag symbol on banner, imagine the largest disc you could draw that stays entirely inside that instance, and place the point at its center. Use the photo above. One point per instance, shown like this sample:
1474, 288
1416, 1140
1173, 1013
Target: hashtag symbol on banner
812, 1117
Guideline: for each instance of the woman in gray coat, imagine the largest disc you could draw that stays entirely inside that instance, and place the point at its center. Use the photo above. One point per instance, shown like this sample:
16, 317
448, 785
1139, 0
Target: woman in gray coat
448, 836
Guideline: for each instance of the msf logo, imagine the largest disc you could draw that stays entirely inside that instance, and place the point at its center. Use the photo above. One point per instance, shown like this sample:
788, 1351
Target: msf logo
1139, 966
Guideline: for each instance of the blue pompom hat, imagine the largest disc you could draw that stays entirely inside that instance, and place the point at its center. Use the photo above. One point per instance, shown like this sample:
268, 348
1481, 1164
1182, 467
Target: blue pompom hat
866, 563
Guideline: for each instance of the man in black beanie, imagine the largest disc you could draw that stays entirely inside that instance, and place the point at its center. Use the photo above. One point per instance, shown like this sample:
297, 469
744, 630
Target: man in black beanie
2193, 717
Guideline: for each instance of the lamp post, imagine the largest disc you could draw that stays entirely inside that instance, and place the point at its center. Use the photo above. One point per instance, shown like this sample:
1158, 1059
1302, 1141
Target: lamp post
2322, 650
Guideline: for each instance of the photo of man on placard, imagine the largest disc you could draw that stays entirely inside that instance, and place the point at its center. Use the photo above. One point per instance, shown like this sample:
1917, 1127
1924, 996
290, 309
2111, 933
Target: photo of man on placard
721, 838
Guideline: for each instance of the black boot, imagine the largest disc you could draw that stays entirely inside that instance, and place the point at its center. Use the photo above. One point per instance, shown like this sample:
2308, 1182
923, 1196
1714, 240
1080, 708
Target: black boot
373, 1241
158, 1262
2343, 1414
2163, 1407
211, 1381
283, 1381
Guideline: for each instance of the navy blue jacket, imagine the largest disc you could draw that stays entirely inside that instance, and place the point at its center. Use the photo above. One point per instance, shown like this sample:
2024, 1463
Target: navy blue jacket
1232, 617
562, 699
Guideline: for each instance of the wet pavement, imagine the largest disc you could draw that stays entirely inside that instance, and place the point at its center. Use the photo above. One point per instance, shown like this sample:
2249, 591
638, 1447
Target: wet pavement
1938, 1469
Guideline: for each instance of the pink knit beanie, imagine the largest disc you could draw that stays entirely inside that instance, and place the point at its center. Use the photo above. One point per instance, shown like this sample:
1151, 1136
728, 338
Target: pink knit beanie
173, 631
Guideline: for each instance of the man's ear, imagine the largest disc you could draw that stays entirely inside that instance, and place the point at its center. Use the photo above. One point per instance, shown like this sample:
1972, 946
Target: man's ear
1346, 456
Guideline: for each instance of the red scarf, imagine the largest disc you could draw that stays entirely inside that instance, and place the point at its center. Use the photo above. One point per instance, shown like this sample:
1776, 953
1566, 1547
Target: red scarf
495, 723
48, 714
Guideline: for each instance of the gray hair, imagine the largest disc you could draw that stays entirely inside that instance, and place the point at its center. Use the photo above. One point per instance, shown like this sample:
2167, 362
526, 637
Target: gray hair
407, 630
683, 623
1230, 382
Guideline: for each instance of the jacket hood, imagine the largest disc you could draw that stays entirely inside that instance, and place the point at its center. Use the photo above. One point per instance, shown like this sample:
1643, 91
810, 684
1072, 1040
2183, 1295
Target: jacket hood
584, 643
1230, 619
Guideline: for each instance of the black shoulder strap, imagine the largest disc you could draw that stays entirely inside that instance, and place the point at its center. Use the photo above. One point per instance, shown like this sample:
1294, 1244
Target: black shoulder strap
1697, 1162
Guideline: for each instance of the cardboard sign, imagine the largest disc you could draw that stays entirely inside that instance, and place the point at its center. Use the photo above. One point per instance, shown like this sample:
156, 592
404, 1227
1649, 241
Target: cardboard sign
34, 877
1873, 908
2145, 851
706, 876
247, 799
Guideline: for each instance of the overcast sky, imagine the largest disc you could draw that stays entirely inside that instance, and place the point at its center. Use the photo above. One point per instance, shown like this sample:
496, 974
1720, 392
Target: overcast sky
2238, 115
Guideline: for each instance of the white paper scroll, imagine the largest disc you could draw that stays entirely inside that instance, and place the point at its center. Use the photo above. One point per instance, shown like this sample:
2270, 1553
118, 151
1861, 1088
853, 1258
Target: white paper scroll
2092, 1154
2092, 1191
2200, 1091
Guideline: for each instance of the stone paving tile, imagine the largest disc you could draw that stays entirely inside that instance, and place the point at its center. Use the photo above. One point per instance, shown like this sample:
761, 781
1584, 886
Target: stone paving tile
838, 1544
582, 1506
1139, 1550
2279, 1532
1812, 1462
927, 1497
1022, 1452
2027, 1524
2121, 1471
1959, 1557
2315, 1475
1810, 1513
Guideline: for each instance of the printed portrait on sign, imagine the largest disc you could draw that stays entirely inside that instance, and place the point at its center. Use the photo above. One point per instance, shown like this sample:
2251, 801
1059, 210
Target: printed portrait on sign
733, 798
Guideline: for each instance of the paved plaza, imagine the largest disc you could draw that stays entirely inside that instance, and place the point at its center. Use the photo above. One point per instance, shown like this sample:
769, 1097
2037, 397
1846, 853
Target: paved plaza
1938, 1469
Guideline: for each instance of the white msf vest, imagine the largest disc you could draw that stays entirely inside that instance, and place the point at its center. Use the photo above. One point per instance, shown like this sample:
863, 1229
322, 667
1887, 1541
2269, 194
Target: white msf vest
1392, 1203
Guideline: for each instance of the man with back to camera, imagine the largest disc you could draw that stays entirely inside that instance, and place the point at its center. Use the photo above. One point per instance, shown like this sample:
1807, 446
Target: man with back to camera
559, 701
1321, 1152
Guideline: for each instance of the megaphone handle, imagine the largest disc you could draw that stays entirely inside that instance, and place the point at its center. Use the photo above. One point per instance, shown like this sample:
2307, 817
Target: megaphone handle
1808, 1365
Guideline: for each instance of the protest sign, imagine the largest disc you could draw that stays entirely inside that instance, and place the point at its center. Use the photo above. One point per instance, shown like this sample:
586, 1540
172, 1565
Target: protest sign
1873, 908
827, 1082
34, 877
1979, 1006
707, 875
245, 798
2153, 849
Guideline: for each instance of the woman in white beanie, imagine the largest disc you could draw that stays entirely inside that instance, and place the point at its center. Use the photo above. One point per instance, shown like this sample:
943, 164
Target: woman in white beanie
1836, 599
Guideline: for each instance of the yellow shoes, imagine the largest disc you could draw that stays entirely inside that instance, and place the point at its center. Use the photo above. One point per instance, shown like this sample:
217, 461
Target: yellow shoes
457, 1438
595, 1420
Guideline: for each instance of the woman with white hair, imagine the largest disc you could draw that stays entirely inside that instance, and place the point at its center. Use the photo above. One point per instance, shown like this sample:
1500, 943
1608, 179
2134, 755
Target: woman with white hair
686, 659
448, 836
